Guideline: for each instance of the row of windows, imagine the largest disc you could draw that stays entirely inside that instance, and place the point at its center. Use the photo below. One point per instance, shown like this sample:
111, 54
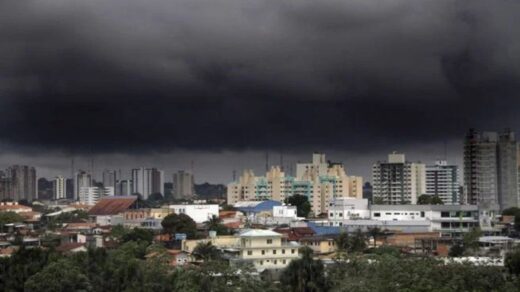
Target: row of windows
275, 262
250, 252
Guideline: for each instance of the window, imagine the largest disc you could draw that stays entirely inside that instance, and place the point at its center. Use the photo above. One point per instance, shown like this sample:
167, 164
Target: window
292, 251
269, 241
377, 214
284, 262
283, 251
331, 215
263, 252
274, 251
445, 214
422, 213
261, 262
249, 252
275, 262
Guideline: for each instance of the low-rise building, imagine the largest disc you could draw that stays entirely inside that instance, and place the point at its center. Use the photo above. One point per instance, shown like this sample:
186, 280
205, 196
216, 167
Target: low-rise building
266, 249
200, 213
110, 210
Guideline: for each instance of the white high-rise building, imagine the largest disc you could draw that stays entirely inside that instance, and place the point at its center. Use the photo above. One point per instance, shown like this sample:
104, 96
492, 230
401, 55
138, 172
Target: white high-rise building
59, 188
82, 179
442, 180
91, 195
397, 181
147, 181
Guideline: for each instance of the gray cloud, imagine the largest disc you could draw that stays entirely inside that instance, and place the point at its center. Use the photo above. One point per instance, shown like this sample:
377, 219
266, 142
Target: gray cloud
137, 76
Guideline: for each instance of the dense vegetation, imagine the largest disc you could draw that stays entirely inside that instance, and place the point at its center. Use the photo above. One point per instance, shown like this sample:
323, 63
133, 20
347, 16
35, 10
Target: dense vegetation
128, 268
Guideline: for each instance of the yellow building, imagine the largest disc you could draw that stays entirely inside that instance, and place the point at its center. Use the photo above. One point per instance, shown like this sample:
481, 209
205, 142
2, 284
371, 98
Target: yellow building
321, 181
266, 249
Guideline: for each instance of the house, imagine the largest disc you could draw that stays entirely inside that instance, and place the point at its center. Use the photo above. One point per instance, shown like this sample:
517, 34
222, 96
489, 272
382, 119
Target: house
221, 242
109, 210
200, 213
266, 249
320, 245
14, 207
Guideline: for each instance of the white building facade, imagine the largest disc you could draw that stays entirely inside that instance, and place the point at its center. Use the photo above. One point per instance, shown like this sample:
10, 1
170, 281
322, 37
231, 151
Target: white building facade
59, 187
199, 213
442, 180
91, 195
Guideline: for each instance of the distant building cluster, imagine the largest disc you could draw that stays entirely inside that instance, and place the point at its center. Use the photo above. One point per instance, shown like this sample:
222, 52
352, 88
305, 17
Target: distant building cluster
320, 181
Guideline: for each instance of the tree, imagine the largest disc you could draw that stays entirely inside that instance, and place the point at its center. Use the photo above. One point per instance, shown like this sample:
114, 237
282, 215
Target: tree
470, 240
9, 217
303, 207
456, 250
429, 200
138, 234
206, 252
379, 201
342, 242
513, 211
357, 242
512, 262
59, 276
179, 223
305, 274
214, 224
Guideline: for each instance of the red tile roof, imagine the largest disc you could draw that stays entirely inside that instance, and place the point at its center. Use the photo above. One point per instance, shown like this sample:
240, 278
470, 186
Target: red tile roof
69, 246
112, 205
295, 233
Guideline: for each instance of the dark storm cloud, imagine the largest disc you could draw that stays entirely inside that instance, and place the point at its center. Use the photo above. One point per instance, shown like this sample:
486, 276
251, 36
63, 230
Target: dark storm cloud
134, 76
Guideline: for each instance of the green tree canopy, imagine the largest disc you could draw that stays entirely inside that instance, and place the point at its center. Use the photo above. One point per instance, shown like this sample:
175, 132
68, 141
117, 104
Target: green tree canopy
180, 223
303, 207
59, 276
206, 252
215, 224
138, 234
9, 217
305, 274
512, 262
429, 200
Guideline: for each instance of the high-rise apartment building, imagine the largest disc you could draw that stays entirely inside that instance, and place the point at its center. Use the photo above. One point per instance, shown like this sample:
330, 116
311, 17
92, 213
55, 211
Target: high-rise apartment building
22, 179
82, 179
124, 188
91, 195
320, 181
109, 178
147, 181
183, 185
442, 180
398, 181
491, 169
59, 188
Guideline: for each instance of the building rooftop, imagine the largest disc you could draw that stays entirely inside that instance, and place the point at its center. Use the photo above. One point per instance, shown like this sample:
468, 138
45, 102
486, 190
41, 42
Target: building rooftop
260, 233
112, 205
424, 207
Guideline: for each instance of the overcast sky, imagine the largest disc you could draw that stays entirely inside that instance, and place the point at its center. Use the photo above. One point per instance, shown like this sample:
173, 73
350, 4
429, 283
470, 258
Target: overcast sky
166, 82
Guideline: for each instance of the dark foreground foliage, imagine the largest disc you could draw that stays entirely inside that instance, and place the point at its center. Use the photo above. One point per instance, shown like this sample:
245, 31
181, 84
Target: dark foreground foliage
128, 269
